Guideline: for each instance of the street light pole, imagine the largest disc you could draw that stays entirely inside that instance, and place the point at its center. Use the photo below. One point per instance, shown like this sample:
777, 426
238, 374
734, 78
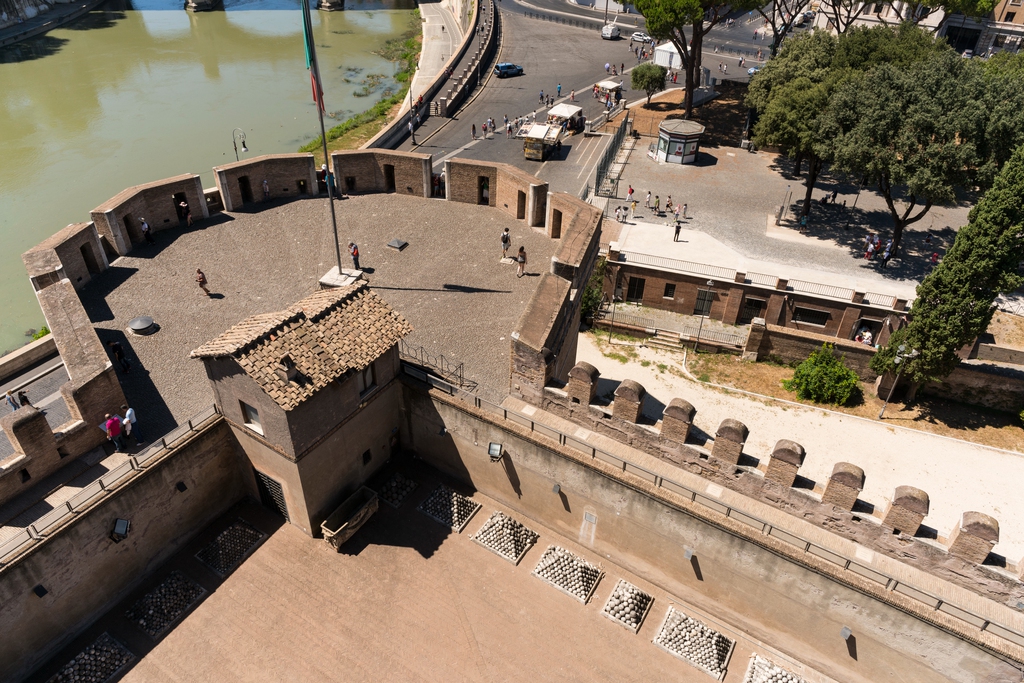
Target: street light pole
234, 141
897, 360
711, 283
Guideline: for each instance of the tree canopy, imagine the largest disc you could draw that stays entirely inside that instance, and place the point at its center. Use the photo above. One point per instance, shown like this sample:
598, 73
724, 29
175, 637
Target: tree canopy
648, 77
955, 301
916, 131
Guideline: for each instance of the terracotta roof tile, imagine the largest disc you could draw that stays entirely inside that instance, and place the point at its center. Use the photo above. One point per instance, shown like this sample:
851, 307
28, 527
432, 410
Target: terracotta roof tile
327, 335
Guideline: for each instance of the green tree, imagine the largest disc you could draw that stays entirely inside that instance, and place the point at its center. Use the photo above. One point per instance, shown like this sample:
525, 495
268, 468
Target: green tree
955, 301
684, 23
794, 89
1004, 100
593, 294
648, 77
916, 131
824, 378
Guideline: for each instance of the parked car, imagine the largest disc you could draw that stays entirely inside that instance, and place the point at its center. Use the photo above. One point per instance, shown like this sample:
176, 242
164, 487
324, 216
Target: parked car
610, 32
507, 69
640, 37
753, 70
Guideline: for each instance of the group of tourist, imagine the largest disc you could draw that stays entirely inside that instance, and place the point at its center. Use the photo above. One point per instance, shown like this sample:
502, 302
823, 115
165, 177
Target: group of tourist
19, 400
119, 429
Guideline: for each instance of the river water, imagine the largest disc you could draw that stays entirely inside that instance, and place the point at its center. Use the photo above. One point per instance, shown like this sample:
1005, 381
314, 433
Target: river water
143, 90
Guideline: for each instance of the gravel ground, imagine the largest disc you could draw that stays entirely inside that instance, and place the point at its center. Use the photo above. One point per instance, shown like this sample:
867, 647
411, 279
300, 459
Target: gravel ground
958, 475
265, 261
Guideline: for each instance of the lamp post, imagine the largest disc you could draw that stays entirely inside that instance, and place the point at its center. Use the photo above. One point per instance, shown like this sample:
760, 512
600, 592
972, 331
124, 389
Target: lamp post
898, 360
238, 135
711, 284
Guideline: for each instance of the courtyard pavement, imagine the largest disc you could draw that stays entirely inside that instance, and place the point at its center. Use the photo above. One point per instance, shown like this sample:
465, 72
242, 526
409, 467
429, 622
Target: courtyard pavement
463, 303
407, 600
732, 194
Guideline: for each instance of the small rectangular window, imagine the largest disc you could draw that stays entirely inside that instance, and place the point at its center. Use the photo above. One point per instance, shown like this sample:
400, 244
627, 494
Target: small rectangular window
251, 416
670, 291
810, 316
367, 457
367, 379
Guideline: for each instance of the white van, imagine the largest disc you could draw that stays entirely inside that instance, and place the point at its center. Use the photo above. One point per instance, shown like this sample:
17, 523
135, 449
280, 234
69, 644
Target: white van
610, 32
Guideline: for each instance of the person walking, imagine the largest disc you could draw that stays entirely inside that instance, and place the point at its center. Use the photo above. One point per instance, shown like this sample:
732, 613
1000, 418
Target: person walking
572, 95
112, 426
412, 133
675, 237
558, 89
632, 210
684, 211
147, 232
521, 261
647, 202
202, 281
11, 401
129, 417
186, 213
541, 99
629, 194
506, 243
677, 215
657, 205
474, 131
353, 251
118, 352
266, 190
23, 399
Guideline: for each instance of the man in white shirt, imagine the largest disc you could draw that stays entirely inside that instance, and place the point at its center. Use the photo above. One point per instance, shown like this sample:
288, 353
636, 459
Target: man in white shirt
130, 422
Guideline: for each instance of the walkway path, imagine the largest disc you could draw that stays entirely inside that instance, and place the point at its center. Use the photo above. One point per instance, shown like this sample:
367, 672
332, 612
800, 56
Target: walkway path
959, 476
47, 21
442, 36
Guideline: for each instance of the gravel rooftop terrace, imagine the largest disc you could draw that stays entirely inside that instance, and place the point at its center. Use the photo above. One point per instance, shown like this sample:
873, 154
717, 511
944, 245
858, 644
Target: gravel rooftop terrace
449, 282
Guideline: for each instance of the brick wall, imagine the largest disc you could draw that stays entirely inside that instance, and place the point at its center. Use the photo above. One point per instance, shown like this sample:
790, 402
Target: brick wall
464, 177
791, 346
521, 195
366, 171
288, 175
117, 219
981, 385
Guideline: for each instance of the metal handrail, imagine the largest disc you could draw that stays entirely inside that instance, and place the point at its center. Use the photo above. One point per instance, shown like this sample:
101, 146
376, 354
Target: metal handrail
40, 529
708, 498
844, 293
665, 263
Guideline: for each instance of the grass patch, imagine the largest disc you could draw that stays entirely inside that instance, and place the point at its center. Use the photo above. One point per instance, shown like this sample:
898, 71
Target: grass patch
645, 363
662, 367
356, 130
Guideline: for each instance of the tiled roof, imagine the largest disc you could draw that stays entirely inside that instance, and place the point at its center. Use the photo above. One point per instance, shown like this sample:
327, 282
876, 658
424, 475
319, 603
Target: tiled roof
327, 334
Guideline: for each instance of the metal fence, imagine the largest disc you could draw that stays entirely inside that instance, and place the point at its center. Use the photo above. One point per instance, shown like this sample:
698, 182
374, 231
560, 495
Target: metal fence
604, 164
102, 487
686, 331
708, 499
842, 293
567, 21
452, 372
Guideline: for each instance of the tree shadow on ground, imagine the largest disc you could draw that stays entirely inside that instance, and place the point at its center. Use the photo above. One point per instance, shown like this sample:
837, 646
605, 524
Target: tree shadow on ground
725, 117
957, 415
33, 48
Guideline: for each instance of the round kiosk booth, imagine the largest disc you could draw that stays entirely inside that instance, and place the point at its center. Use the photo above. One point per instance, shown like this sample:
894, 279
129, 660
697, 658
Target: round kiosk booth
679, 141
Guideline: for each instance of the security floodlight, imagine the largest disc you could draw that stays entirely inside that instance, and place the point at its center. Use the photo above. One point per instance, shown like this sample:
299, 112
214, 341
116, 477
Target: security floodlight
688, 553
121, 529
494, 451
556, 489
846, 633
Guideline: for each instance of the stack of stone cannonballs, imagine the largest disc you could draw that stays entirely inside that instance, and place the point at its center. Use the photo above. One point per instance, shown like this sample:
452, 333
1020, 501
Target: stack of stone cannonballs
695, 642
506, 536
396, 490
228, 549
762, 670
569, 572
95, 664
449, 507
161, 606
628, 605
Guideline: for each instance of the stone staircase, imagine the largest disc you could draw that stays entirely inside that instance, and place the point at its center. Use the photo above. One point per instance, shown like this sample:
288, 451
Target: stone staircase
664, 339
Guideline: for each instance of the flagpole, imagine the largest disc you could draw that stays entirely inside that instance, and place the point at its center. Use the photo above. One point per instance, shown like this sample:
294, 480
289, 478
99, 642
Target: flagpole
319, 97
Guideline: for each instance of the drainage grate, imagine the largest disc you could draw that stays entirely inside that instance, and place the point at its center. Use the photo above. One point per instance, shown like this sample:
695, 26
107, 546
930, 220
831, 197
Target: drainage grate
627, 605
568, 573
271, 494
449, 508
762, 670
695, 643
396, 490
506, 537
97, 663
157, 610
232, 546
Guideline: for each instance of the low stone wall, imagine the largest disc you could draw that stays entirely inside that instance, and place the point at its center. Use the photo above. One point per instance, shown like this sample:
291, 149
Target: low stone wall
287, 175
27, 356
372, 171
1000, 354
794, 346
118, 219
84, 572
981, 384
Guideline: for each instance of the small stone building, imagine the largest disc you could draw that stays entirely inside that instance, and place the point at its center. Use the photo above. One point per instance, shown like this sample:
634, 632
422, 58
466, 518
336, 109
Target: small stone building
312, 397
